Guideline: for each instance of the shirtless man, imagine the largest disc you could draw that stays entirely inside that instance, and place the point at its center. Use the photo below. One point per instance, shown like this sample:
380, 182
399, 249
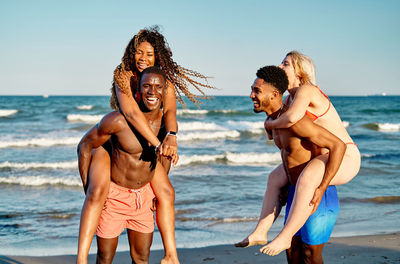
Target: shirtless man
299, 144
129, 202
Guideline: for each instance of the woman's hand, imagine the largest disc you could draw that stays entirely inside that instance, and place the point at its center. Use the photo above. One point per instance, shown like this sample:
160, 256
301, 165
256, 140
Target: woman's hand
169, 148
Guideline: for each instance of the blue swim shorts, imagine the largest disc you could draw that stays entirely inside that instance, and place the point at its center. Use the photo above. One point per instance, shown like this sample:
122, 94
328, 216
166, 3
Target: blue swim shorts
319, 225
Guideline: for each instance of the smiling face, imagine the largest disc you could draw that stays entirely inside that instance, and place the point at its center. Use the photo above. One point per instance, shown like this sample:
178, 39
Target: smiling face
144, 56
152, 87
262, 94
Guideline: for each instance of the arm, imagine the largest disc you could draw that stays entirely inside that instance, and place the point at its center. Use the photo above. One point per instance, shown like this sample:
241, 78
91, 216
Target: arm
323, 138
129, 106
169, 146
296, 110
94, 138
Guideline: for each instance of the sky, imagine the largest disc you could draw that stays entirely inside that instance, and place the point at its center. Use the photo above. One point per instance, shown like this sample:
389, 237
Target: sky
72, 47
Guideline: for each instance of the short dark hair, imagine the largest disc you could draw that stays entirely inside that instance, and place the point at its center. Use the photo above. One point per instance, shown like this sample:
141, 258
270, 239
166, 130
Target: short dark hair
155, 70
274, 76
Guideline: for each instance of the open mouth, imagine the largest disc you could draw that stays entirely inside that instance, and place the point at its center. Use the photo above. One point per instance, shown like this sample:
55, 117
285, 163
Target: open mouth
142, 66
256, 104
152, 100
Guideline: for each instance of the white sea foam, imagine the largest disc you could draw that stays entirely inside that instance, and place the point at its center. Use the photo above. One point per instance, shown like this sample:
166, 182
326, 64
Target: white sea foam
190, 126
368, 155
84, 107
7, 112
191, 112
253, 158
186, 160
210, 135
40, 142
41, 180
253, 127
250, 158
91, 119
388, 127
35, 165
346, 123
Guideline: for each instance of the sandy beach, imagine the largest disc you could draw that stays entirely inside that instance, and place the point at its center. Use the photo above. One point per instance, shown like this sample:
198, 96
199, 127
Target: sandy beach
357, 249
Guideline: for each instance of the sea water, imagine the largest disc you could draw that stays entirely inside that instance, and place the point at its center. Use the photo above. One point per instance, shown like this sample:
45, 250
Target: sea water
220, 180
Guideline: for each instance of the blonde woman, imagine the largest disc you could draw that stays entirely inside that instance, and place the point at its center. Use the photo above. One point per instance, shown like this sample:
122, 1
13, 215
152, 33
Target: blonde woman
304, 98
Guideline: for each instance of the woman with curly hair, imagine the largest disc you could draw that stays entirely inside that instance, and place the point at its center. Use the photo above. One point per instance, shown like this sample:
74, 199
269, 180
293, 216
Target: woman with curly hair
147, 48
304, 97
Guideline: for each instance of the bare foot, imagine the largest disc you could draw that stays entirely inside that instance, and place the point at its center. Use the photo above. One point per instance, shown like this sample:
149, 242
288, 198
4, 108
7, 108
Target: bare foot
251, 241
170, 260
276, 246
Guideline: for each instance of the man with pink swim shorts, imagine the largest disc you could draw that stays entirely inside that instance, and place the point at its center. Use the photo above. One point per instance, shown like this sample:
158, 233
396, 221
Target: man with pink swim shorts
129, 202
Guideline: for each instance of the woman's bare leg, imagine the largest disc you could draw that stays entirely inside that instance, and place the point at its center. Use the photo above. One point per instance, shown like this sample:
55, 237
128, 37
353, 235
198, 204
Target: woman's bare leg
165, 213
270, 210
98, 184
307, 183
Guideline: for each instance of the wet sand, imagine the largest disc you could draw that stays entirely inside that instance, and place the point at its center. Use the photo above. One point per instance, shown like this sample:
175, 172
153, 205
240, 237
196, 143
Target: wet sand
357, 249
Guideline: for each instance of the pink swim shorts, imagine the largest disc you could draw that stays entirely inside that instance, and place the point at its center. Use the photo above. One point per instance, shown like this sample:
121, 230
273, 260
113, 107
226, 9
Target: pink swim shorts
127, 208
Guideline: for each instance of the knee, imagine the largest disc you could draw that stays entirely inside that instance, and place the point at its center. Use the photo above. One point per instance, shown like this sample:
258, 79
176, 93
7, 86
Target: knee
167, 194
104, 257
276, 180
98, 194
141, 257
311, 256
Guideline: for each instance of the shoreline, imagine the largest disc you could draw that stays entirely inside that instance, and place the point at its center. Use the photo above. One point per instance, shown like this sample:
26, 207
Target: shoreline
355, 249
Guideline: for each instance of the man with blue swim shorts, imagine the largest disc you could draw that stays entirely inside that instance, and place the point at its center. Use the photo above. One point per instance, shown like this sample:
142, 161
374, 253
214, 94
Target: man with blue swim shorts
299, 144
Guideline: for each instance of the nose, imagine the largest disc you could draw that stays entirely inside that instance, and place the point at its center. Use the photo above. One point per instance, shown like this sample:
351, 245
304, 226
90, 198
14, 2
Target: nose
251, 95
280, 66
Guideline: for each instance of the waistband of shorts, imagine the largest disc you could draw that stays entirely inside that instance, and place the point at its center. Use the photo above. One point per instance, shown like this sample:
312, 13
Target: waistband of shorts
124, 189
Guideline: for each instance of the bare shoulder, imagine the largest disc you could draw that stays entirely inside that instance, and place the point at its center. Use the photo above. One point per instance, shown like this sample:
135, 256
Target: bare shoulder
307, 88
112, 122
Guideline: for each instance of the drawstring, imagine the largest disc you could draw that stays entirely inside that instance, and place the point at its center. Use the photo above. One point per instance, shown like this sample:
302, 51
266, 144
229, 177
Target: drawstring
139, 200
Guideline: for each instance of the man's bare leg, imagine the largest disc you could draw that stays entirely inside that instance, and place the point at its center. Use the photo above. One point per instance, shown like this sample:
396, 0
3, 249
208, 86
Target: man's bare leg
271, 208
294, 254
307, 183
106, 248
140, 246
312, 254
96, 194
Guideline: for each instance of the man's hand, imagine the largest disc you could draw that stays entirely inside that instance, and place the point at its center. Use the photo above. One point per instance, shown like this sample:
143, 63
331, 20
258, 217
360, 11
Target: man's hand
169, 148
317, 198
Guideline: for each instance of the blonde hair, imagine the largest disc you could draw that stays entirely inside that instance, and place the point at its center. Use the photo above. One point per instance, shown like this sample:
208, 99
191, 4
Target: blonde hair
303, 67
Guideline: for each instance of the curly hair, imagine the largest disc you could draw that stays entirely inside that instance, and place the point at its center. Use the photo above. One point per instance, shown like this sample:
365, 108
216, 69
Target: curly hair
274, 76
180, 77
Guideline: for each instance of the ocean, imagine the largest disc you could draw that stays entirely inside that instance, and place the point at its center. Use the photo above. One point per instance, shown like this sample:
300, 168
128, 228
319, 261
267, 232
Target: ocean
220, 180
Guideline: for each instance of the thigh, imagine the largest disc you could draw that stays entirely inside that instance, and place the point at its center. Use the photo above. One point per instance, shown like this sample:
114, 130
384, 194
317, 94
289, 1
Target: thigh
161, 185
106, 248
139, 245
99, 171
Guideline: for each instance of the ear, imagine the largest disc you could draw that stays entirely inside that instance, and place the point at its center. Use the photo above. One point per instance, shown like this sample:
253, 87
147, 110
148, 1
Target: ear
275, 94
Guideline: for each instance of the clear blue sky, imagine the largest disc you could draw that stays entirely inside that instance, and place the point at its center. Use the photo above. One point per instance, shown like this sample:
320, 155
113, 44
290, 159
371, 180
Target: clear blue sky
72, 47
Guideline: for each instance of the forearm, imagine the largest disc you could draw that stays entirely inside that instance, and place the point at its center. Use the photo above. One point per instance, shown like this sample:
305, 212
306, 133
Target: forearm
139, 122
334, 161
170, 120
